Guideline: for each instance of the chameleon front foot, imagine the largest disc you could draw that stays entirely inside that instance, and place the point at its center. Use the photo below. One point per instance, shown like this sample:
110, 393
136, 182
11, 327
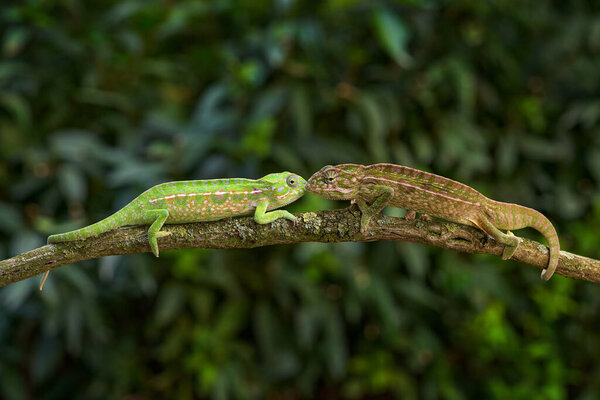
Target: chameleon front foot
365, 220
410, 215
366, 212
261, 216
153, 241
381, 194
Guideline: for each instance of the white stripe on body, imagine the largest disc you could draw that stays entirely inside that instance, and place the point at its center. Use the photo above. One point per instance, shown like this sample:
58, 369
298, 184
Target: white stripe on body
217, 193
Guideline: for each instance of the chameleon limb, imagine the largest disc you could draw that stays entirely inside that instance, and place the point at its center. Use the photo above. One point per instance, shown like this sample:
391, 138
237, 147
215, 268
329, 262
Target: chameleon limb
430, 194
383, 193
160, 216
510, 241
197, 201
410, 215
263, 217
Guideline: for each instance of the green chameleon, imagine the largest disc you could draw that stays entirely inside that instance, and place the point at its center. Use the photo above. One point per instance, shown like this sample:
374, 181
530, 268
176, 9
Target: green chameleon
199, 200
375, 186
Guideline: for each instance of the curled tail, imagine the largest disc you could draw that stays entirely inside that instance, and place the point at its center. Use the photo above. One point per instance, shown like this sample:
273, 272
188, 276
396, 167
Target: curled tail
517, 217
545, 227
107, 224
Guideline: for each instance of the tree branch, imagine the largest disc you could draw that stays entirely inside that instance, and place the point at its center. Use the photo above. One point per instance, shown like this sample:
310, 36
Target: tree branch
322, 226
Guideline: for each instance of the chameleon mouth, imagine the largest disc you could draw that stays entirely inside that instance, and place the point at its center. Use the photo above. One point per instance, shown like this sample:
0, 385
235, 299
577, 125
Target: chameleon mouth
329, 192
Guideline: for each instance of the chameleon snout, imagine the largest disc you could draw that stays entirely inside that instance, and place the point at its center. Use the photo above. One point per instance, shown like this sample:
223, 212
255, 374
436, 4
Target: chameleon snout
312, 183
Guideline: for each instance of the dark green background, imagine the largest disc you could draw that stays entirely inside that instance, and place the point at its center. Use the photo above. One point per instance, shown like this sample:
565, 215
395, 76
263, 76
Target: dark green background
100, 100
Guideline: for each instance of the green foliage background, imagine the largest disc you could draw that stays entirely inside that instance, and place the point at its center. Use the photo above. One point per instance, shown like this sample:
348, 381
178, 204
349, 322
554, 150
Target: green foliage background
101, 100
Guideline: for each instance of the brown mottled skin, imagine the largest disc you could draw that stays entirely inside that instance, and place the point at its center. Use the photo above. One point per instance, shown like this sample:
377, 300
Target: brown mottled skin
373, 187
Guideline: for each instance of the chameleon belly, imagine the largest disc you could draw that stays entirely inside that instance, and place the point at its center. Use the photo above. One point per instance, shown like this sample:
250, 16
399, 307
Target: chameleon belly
210, 205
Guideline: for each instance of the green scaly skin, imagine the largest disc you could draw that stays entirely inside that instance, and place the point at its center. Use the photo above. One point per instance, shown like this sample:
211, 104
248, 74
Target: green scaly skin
375, 186
197, 201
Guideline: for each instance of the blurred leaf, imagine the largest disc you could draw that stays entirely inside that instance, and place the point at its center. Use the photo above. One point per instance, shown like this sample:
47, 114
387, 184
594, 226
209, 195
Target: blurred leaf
501, 96
10, 219
72, 183
14, 41
301, 110
13, 387
18, 107
47, 358
392, 34
335, 344
374, 125
258, 136
18, 293
169, 303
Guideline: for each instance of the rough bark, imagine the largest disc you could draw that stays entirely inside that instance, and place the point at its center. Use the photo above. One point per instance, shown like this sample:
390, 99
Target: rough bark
322, 226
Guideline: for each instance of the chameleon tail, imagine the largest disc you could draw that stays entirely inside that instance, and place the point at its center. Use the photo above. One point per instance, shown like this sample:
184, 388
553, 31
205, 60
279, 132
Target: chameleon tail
517, 217
114, 221
107, 224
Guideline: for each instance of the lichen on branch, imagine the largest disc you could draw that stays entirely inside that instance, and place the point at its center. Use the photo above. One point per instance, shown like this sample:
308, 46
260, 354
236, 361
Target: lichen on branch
321, 226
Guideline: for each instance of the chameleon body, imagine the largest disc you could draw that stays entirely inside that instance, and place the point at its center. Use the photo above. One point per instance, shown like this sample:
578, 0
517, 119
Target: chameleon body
199, 200
375, 186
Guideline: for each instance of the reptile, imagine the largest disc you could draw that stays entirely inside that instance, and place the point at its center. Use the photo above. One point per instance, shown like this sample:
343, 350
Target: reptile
375, 186
198, 200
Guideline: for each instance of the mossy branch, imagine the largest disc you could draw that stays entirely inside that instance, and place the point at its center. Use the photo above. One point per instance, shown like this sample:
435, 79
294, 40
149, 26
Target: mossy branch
322, 226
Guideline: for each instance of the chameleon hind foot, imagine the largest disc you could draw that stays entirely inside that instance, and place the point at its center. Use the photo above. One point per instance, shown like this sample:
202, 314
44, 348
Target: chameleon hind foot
509, 249
510, 241
411, 215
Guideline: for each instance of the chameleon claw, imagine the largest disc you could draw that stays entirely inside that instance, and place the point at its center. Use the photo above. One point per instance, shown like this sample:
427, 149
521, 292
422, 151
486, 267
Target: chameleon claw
410, 215
509, 250
364, 224
373, 187
179, 202
154, 244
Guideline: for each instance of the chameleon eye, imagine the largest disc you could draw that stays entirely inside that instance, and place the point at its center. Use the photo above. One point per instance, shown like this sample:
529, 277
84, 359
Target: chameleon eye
291, 181
330, 177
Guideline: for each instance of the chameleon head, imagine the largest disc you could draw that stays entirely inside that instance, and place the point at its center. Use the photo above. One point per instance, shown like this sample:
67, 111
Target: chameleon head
338, 182
285, 188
